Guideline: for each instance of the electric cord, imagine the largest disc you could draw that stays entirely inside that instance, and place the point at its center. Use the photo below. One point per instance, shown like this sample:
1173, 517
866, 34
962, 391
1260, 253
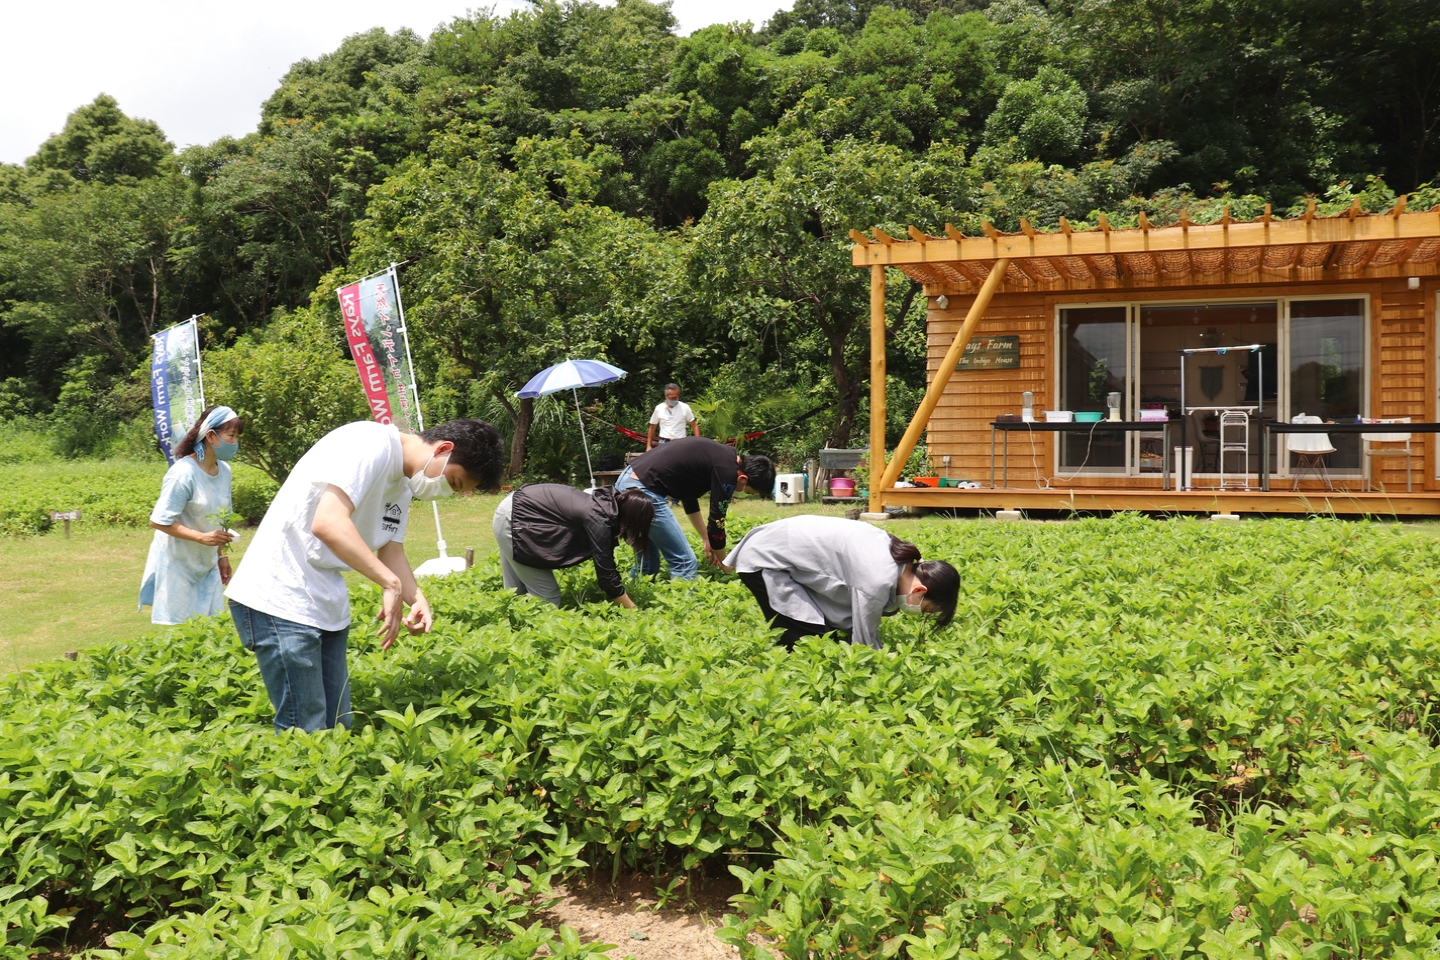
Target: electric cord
1042, 482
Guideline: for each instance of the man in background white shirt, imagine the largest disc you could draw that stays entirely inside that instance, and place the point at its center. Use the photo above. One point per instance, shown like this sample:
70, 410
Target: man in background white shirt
671, 418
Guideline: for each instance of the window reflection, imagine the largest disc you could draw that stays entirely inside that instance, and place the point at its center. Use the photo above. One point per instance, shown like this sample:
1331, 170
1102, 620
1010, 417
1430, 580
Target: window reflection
1327, 368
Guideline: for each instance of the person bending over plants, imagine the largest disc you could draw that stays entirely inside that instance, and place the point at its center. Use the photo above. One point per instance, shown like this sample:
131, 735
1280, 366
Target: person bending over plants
345, 506
186, 570
818, 575
544, 527
685, 470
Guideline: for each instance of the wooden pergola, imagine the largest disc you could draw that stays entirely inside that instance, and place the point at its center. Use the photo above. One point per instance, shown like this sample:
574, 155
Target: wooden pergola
1349, 246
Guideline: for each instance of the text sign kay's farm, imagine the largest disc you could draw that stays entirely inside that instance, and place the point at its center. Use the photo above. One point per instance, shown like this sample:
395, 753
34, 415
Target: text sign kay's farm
991, 353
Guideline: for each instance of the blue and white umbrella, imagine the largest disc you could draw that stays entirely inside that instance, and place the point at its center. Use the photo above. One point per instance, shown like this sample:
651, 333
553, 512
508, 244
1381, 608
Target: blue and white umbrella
571, 375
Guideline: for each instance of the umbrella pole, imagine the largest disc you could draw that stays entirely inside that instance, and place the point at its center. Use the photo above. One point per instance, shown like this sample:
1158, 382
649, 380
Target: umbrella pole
589, 469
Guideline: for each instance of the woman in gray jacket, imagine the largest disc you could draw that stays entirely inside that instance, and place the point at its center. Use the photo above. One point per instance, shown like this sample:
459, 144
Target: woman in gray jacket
818, 575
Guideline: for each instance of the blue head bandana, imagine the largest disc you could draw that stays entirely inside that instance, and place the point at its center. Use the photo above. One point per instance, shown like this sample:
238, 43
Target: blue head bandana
218, 416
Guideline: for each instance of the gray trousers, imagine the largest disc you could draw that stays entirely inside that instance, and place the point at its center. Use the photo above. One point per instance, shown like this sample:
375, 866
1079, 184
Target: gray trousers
518, 576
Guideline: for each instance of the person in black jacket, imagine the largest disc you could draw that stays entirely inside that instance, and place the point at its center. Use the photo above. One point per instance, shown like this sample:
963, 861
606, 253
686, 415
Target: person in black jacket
685, 470
544, 527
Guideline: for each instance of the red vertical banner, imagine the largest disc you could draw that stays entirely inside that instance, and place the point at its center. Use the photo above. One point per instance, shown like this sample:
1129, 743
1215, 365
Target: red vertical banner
372, 374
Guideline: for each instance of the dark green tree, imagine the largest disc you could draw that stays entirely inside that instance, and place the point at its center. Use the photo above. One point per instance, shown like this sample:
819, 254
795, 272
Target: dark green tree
100, 143
517, 268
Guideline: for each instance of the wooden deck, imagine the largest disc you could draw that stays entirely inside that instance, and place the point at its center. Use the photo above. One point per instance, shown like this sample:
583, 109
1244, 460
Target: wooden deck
1102, 500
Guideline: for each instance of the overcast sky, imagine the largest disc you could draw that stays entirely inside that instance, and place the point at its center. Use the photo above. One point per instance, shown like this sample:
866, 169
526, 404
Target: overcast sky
201, 68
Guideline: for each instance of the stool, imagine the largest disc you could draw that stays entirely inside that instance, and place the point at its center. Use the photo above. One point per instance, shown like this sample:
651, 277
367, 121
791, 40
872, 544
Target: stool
1235, 439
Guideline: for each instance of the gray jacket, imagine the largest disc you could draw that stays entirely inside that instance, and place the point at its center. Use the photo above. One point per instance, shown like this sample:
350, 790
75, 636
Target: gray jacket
823, 570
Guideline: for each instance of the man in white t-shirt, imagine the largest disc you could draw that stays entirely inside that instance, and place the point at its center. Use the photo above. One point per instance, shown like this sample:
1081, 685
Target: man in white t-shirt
670, 418
345, 506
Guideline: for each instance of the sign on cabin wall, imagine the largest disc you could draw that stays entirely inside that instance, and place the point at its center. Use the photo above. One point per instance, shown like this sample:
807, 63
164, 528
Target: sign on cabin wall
991, 353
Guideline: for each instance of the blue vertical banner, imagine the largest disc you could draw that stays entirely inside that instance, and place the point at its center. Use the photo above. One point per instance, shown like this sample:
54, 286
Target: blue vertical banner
176, 387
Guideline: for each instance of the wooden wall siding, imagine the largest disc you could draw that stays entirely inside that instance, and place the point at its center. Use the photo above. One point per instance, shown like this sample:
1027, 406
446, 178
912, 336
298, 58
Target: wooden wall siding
1403, 374
959, 427
1401, 381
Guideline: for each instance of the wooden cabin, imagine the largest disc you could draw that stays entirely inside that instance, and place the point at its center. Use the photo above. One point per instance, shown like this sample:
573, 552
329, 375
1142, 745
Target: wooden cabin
1329, 317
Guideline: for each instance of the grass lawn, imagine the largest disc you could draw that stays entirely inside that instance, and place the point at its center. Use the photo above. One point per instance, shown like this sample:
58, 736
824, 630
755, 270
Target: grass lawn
68, 594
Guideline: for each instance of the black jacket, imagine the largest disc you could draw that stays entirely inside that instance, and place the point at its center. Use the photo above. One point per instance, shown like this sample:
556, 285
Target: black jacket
555, 526
687, 469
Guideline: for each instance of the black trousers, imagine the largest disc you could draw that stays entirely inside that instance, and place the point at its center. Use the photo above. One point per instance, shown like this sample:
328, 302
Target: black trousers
794, 629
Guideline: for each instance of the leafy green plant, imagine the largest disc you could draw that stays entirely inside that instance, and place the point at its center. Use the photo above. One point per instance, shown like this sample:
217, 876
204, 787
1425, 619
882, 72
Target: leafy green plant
104, 491
1117, 750
225, 519
251, 492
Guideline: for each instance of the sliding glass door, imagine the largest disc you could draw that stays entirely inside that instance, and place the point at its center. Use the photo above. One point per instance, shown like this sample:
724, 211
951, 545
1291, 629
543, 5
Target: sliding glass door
1312, 358
1213, 381
1327, 370
1094, 362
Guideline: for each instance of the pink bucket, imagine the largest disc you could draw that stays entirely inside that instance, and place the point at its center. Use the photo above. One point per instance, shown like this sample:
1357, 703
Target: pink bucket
842, 487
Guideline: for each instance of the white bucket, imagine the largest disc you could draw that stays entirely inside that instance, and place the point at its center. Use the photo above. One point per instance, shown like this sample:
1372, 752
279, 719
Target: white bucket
1188, 461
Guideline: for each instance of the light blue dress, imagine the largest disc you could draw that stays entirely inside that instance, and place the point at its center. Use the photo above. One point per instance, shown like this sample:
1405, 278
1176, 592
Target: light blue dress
182, 578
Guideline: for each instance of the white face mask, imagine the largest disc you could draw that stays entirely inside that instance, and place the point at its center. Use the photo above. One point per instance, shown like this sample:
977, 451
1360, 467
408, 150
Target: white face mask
430, 488
915, 609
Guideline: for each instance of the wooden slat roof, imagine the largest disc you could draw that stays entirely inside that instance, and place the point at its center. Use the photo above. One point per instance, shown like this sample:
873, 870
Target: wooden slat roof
1351, 244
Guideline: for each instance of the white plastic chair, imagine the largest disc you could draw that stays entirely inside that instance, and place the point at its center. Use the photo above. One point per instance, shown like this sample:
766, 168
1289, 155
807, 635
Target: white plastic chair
1373, 438
1310, 450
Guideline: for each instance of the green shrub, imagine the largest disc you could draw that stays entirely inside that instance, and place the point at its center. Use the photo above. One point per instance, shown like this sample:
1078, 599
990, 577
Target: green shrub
251, 492
104, 491
25, 441
291, 386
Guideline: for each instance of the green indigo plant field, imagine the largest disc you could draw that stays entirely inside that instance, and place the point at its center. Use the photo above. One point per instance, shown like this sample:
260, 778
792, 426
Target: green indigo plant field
1140, 738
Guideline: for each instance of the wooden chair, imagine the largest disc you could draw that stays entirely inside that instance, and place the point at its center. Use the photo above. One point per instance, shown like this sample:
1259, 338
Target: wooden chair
1371, 439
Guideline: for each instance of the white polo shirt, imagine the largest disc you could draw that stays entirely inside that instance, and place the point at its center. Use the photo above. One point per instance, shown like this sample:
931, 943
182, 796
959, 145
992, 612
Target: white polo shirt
672, 420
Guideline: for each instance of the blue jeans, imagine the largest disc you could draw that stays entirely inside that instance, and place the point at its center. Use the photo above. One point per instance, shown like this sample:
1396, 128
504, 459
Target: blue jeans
666, 537
303, 668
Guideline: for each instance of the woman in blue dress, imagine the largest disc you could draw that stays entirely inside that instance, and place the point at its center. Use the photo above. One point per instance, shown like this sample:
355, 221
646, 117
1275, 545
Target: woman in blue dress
186, 572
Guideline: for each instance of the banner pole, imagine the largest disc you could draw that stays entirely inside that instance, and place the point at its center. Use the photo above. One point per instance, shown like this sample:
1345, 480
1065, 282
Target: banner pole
199, 367
415, 392
405, 333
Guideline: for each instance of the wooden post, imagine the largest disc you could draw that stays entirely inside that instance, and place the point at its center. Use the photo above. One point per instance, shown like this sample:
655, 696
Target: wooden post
469, 557
942, 376
877, 384
67, 516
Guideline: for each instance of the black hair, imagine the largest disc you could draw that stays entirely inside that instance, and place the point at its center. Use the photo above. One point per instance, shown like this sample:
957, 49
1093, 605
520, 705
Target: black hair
942, 581
477, 449
637, 513
759, 472
186, 446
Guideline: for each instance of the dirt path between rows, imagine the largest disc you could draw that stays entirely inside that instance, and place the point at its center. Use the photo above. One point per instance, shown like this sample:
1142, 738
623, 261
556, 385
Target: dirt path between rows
628, 915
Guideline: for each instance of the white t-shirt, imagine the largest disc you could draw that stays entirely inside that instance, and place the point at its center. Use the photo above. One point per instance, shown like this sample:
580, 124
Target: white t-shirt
672, 420
287, 572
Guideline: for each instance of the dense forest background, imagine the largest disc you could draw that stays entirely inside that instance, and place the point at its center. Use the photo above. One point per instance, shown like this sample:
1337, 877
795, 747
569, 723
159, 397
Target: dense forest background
577, 180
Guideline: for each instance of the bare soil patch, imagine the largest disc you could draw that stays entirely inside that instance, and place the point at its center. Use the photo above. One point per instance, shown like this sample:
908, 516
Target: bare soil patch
629, 915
